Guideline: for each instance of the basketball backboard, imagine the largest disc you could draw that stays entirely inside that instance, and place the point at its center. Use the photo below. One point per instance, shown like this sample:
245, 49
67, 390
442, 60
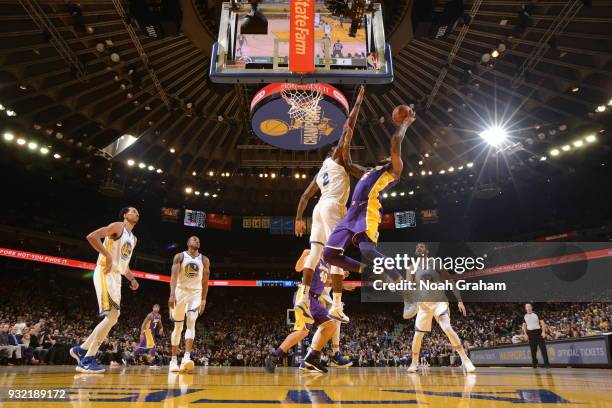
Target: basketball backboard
339, 58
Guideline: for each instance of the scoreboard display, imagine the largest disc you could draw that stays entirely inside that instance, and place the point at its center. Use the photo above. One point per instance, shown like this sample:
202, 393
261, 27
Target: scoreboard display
195, 218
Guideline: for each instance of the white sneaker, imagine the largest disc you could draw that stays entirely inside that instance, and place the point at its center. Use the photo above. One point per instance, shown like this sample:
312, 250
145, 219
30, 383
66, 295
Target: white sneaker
187, 365
337, 313
174, 368
468, 366
413, 368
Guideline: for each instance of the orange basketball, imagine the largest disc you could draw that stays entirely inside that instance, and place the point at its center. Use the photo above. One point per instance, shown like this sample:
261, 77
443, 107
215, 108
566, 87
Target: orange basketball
399, 114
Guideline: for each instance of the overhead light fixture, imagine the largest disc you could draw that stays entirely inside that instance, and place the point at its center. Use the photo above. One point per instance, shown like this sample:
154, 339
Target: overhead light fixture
159, 171
11, 113
21, 141
172, 150
543, 158
420, 162
423, 172
402, 193
610, 102
460, 168
214, 195
188, 190
303, 175
260, 175
578, 143
211, 173
554, 152
470, 165
430, 172
566, 148
600, 108
575, 89
494, 136
296, 175
206, 194
385, 195
32, 145
495, 54
151, 168
590, 138
410, 174
272, 175
44, 150
130, 162
193, 173
197, 192
411, 192
426, 154
442, 171
393, 194
142, 165
57, 156
8, 136
451, 169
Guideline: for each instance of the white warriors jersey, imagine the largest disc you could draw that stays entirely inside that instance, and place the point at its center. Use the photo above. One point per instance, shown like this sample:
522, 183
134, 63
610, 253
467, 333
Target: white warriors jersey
121, 251
190, 274
333, 181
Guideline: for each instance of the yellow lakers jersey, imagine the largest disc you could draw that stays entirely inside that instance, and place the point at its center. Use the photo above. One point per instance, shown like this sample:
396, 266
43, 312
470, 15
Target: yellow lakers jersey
121, 251
190, 274
333, 181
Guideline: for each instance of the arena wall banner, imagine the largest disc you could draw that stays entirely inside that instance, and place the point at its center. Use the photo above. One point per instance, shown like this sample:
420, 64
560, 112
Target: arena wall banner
592, 351
73, 263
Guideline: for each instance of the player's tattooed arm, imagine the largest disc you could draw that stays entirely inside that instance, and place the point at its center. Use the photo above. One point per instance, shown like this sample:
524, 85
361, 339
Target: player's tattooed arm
95, 240
338, 155
176, 264
300, 225
205, 278
397, 165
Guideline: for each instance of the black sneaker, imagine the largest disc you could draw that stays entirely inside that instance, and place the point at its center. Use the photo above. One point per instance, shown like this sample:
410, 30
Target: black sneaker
314, 363
271, 362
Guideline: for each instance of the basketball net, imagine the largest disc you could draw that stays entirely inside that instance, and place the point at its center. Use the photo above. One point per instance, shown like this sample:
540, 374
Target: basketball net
303, 100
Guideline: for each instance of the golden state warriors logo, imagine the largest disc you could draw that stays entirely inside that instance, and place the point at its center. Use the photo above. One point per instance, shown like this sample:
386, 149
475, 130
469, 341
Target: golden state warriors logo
126, 251
191, 270
281, 124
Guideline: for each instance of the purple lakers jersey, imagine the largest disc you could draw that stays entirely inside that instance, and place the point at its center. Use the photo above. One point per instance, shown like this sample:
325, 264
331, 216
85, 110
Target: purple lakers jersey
373, 183
154, 322
319, 277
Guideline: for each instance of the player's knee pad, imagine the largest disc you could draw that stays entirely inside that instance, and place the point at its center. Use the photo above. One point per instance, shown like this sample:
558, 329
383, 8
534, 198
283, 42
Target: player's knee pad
175, 340
191, 320
316, 249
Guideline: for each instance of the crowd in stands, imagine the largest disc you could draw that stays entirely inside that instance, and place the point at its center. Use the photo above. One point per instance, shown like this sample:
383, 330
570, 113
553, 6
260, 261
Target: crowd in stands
40, 318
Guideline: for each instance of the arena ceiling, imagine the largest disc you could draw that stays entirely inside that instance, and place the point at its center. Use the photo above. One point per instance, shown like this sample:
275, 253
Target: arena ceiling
76, 98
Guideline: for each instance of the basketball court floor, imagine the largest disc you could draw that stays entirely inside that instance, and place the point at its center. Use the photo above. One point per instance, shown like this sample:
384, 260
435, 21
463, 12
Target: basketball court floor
244, 387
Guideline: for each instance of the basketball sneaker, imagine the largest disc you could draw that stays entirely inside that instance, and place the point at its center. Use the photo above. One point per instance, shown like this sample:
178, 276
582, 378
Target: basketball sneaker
302, 305
413, 368
89, 365
77, 353
174, 367
337, 313
468, 366
187, 365
338, 361
312, 362
271, 362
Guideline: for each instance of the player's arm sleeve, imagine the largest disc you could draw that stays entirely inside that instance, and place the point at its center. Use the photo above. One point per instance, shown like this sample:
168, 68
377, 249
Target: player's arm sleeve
205, 278
446, 276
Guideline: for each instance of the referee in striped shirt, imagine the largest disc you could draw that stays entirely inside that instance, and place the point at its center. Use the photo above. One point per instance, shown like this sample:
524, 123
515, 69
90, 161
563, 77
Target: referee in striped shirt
534, 329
